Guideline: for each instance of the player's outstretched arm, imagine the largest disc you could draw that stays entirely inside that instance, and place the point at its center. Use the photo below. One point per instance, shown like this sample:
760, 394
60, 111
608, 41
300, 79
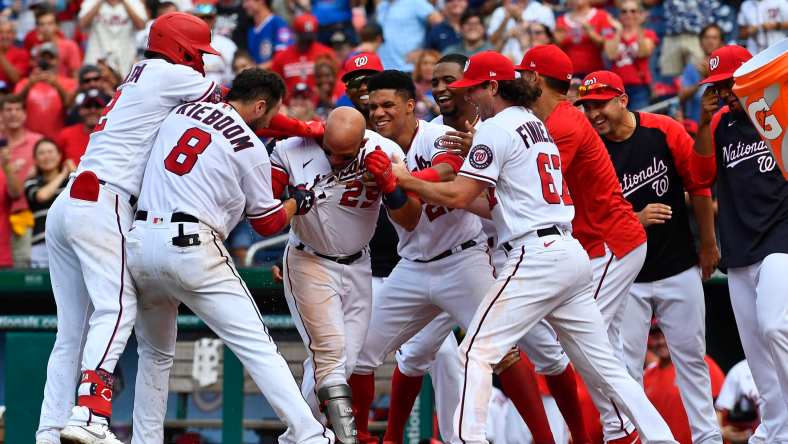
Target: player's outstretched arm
403, 209
459, 193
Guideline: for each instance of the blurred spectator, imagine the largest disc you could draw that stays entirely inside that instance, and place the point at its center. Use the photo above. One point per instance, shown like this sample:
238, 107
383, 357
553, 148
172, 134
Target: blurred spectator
14, 61
335, 18
155, 11
46, 93
19, 166
404, 24
217, 68
111, 27
691, 90
10, 189
89, 78
509, 25
659, 383
302, 105
581, 33
371, 36
737, 405
325, 85
426, 108
629, 49
355, 75
73, 140
539, 34
50, 179
684, 20
447, 32
297, 63
46, 31
763, 23
472, 33
269, 35
110, 77
241, 61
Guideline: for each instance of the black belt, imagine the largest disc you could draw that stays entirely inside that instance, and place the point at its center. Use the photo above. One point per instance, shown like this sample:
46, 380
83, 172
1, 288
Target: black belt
447, 253
542, 232
342, 260
132, 198
182, 239
176, 217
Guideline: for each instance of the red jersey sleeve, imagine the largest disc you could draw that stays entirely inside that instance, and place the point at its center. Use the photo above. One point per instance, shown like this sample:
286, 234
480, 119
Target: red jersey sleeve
567, 136
453, 160
681, 145
279, 179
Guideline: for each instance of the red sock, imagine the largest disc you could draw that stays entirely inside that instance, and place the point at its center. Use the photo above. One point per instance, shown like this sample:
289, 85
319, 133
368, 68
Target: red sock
363, 388
563, 387
519, 384
404, 390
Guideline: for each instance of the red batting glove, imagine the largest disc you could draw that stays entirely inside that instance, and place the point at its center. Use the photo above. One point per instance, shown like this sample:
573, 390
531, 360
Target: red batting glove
379, 164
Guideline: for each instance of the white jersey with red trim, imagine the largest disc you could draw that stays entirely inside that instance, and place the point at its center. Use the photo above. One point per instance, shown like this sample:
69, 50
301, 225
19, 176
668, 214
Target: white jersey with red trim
343, 219
440, 228
120, 146
513, 152
208, 163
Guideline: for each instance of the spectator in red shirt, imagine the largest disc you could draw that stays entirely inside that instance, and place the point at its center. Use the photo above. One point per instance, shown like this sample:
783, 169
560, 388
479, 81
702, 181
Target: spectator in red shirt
14, 61
46, 31
73, 140
659, 383
581, 33
10, 188
296, 64
19, 166
46, 93
629, 49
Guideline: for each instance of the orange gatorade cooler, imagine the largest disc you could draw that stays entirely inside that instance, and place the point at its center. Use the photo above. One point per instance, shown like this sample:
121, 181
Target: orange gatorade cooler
761, 84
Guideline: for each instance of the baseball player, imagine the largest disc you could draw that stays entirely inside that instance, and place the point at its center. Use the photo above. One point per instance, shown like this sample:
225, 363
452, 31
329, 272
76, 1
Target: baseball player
444, 265
753, 221
651, 155
327, 273
547, 273
176, 252
86, 235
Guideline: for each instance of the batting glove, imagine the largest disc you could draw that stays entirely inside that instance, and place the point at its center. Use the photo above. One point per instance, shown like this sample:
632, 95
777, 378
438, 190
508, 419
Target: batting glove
303, 197
379, 164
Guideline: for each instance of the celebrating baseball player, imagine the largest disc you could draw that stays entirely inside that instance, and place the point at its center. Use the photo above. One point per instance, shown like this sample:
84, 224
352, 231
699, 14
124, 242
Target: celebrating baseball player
753, 221
651, 154
327, 272
176, 252
547, 273
87, 225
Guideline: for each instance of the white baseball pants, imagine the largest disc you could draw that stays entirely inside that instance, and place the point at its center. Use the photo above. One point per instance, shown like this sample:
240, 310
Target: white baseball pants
759, 295
678, 304
95, 296
204, 278
551, 280
330, 304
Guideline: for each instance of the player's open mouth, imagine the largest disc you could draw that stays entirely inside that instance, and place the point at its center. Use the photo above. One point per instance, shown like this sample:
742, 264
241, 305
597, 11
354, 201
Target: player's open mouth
599, 121
365, 97
444, 99
381, 123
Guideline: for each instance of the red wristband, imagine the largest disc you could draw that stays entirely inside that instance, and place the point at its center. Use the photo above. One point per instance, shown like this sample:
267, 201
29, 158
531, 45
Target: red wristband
427, 174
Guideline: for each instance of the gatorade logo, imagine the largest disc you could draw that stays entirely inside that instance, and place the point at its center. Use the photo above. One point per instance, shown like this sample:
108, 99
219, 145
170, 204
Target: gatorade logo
361, 61
764, 119
714, 62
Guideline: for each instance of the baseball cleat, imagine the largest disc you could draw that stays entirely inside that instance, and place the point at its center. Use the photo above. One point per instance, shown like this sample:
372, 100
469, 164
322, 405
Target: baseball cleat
632, 438
88, 434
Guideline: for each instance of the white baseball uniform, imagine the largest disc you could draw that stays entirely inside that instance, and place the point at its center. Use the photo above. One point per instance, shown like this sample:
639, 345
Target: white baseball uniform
548, 275
327, 272
207, 169
86, 236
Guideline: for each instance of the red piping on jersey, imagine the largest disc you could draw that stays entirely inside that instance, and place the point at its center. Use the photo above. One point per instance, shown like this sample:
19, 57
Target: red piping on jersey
271, 223
122, 282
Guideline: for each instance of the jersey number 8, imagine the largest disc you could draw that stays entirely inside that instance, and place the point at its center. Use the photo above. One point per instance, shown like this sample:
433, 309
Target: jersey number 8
184, 154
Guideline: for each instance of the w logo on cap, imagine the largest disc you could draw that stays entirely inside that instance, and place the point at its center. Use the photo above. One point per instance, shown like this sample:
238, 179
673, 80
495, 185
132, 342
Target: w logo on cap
361, 61
714, 62
590, 81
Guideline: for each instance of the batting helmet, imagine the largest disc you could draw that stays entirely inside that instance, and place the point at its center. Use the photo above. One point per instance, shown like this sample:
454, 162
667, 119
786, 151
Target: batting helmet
182, 38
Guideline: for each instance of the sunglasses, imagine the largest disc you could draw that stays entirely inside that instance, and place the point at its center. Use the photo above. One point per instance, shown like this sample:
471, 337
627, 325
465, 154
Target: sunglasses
584, 90
356, 82
90, 79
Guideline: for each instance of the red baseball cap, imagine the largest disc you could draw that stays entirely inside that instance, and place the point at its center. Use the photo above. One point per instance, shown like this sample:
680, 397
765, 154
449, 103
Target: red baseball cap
485, 66
363, 61
548, 61
724, 61
305, 23
600, 85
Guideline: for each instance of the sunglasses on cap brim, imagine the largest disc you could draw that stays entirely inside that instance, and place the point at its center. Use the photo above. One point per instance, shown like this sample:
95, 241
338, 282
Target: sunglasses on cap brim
584, 90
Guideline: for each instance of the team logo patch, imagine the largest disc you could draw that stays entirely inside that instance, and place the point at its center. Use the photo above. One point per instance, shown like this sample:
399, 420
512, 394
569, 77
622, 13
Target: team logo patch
480, 157
443, 143
590, 81
361, 61
714, 62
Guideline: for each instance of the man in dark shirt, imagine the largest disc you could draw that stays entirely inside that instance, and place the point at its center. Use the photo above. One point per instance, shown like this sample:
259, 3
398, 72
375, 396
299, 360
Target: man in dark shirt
753, 221
651, 155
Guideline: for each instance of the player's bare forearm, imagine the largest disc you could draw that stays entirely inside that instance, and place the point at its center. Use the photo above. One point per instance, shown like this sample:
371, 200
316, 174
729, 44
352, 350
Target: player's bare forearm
290, 207
408, 215
709, 255
445, 171
458, 193
480, 207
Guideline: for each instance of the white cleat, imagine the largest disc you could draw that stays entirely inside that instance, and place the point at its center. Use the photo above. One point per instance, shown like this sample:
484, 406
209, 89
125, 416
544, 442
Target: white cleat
88, 434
